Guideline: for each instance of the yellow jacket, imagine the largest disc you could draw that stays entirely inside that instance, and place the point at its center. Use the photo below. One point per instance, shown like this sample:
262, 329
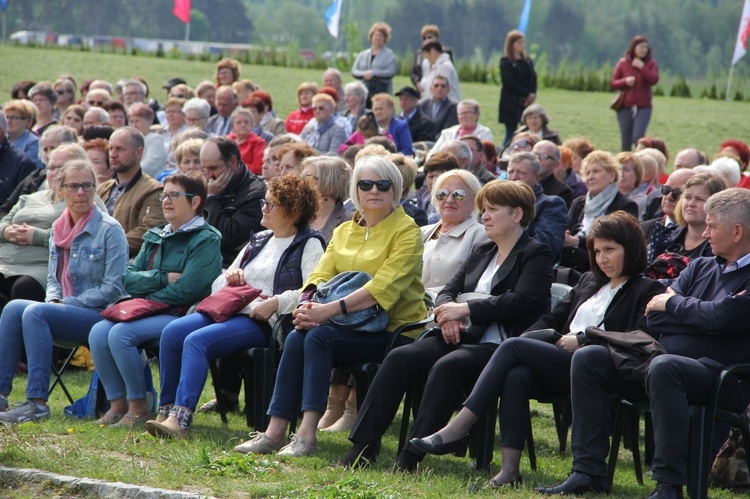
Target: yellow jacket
391, 252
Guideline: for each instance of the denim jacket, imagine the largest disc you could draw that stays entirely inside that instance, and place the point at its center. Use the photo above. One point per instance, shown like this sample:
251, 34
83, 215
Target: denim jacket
98, 259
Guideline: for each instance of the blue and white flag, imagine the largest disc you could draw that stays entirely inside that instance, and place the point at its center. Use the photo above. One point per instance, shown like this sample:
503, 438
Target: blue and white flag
524, 22
3, 5
333, 16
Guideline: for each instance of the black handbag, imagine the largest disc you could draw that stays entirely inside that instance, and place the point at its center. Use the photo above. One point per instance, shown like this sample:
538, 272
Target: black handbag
545, 335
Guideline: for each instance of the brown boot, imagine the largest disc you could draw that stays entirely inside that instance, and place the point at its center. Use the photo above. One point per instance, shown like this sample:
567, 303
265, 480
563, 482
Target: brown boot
334, 411
346, 421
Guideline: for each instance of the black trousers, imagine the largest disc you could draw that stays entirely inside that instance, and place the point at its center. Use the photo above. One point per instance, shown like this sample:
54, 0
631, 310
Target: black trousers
519, 370
448, 372
674, 383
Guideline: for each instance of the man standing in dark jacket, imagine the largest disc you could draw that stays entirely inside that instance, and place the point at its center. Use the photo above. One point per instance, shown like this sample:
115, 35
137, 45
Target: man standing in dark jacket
234, 195
14, 164
701, 320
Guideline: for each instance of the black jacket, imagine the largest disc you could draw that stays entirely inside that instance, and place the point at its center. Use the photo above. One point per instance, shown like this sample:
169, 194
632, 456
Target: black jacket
28, 185
626, 312
520, 287
14, 167
446, 117
519, 80
236, 213
553, 187
421, 128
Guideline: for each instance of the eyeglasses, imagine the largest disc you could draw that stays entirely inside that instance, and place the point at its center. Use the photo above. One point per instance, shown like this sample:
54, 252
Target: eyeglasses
174, 195
60, 92
73, 186
310, 175
178, 96
520, 144
382, 185
320, 108
97, 103
266, 204
667, 190
458, 194
544, 155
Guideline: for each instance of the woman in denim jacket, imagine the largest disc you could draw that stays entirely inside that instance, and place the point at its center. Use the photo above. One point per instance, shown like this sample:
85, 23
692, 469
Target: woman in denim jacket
88, 255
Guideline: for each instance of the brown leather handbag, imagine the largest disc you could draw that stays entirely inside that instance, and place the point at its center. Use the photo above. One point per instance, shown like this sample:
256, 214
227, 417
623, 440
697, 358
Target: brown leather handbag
618, 101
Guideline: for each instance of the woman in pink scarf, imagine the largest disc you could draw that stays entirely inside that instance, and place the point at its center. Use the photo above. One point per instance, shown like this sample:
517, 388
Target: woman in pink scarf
88, 256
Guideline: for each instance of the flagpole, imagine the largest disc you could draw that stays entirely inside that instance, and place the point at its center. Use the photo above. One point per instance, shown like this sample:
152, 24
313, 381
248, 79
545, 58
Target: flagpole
729, 82
3, 27
187, 32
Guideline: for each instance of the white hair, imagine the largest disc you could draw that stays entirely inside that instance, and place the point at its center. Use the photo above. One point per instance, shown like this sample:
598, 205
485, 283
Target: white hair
728, 169
200, 105
383, 168
3, 122
103, 115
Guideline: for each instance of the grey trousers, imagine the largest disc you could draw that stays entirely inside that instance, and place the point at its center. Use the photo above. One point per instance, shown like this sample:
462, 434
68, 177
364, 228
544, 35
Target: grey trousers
632, 127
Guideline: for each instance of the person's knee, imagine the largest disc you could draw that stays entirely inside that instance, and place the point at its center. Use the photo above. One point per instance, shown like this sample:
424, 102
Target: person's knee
587, 360
661, 369
121, 337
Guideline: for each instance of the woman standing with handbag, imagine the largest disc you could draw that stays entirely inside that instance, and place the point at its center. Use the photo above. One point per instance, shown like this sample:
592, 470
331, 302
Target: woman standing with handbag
519, 83
634, 75
175, 266
381, 240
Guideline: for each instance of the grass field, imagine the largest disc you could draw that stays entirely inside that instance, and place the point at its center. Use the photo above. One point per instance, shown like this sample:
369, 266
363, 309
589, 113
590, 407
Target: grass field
680, 122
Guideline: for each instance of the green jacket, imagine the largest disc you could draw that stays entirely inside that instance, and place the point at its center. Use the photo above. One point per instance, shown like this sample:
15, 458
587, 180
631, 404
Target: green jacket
195, 253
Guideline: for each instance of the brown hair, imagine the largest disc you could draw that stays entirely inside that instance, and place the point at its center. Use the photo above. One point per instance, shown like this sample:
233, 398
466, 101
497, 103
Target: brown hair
580, 145
711, 183
441, 160
228, 63
511, 38
622, 228
190, 185
509, 194
297, 196
299, 150
430, 30
383, 28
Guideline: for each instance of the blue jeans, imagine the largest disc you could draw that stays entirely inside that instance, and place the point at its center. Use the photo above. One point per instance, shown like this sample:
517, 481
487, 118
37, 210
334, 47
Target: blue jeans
306, 363
114, 348
33, 324
189, 343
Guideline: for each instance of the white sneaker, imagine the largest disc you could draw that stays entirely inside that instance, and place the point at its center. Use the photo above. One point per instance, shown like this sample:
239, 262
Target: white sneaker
298, 448
258, 444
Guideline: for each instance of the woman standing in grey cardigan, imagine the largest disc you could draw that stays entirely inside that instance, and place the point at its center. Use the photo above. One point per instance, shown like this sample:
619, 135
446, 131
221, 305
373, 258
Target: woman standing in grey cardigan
377, 65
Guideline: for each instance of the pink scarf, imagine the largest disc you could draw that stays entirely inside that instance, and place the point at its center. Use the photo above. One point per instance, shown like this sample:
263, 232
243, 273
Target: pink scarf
65, 232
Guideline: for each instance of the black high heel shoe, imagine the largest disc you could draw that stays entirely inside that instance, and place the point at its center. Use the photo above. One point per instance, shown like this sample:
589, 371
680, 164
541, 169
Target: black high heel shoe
434, 445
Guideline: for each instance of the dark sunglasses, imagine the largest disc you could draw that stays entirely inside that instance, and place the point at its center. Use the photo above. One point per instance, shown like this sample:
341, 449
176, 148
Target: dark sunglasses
382, 185
458, 194
675, 191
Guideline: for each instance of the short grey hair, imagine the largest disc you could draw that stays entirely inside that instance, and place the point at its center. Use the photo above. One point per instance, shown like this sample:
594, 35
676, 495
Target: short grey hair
518, 157
334, 71
383, 168
729, 169
102, 84
472, 103
3, 122
463, 151
198, 104
136, 138
135, 83
102, 114
357, 88
731, 206
61, 133
240, 111
535, 109
469, 179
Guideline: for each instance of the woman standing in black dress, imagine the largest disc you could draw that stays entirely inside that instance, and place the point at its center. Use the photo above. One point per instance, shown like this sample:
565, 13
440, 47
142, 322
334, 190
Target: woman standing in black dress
519, 83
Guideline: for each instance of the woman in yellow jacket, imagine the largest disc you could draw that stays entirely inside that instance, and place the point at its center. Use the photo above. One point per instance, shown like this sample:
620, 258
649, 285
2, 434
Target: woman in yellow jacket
381, 240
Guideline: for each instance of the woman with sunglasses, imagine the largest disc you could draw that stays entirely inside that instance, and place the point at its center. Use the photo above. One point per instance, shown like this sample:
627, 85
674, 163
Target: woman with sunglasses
276, 261
515, 272
381, 240
87, 256
176, 265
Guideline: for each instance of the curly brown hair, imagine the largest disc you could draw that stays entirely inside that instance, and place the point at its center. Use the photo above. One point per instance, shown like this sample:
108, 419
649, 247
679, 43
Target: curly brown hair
297, 196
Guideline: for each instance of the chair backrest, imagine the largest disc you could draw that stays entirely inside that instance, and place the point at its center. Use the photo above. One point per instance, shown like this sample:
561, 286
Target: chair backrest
558, 293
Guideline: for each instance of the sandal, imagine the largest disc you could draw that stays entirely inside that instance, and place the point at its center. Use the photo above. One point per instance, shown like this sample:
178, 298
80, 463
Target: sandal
109, 418
131, 420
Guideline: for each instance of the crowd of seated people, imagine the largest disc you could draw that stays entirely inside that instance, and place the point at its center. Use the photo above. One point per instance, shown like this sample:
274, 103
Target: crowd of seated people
106, 195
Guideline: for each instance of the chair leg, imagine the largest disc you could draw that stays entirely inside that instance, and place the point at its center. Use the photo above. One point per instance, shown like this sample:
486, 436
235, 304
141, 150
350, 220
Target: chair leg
214, 368
59, 373
614, 448
405, 418
563, 419
530, 450
633, 433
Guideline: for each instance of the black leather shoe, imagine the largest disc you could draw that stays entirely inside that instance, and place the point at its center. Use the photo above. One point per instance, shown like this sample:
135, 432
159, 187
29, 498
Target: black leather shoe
577, 483
434, 445
361, 455
666, 491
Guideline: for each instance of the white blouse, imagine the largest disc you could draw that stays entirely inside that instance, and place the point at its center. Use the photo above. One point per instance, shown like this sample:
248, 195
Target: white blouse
591, 312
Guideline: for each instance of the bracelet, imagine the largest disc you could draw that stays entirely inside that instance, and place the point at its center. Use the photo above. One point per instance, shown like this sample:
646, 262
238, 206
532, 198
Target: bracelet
343, 305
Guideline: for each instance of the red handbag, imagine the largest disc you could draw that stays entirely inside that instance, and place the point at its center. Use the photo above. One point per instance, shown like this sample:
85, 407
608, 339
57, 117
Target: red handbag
136, 308
225, 303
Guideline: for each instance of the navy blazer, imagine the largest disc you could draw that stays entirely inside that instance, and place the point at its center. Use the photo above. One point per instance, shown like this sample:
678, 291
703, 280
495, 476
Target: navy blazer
626, 311
520, 287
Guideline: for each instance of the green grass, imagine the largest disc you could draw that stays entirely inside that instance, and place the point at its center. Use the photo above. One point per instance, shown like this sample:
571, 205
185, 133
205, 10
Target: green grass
205, 463
680, 122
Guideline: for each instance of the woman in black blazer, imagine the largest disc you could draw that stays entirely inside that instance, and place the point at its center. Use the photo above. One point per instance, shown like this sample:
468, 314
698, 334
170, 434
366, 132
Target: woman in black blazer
600, 172
519, 83
516, 271
614, 295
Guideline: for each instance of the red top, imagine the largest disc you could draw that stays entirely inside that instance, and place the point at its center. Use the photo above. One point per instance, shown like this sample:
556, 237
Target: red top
297, 120
744, 181
251, 151
639, 94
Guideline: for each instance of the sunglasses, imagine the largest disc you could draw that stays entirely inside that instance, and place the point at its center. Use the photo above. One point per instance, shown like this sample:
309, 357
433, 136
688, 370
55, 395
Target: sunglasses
382, 185
60, 92
667, 190
520, 144
458, 194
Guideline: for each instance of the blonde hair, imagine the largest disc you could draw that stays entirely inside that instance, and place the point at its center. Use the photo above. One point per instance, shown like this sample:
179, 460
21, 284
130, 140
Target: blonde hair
603, 159
383, 28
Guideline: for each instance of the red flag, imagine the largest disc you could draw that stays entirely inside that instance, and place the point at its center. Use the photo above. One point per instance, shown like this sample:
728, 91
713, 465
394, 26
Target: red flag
182, 10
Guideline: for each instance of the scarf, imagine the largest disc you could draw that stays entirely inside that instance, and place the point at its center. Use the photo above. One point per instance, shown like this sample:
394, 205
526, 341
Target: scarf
596, 205
65, 232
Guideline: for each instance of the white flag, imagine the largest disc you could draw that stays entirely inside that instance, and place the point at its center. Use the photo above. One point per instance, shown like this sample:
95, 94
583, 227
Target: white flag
333, 16
740, 47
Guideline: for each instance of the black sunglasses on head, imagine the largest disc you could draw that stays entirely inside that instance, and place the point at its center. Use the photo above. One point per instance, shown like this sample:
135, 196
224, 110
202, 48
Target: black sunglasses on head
382, 185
